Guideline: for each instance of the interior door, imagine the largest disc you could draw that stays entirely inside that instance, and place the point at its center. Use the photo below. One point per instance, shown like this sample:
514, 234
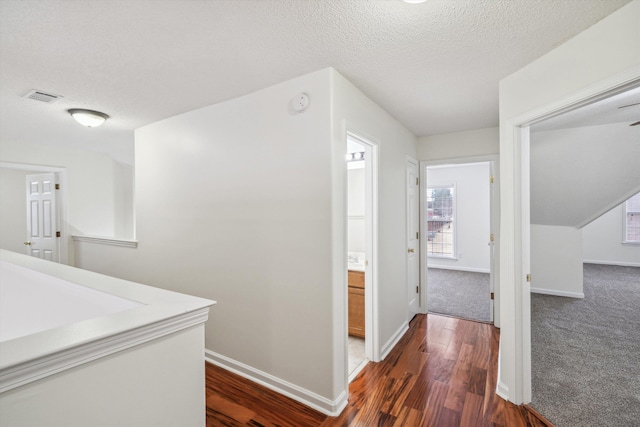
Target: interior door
413, 242
42, 241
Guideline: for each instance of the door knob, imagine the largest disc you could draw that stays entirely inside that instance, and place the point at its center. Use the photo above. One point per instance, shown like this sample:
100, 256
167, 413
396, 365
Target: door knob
411, 250
27, 243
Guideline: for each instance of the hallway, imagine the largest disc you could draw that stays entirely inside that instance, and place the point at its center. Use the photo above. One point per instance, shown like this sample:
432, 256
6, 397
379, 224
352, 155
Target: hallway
441, 373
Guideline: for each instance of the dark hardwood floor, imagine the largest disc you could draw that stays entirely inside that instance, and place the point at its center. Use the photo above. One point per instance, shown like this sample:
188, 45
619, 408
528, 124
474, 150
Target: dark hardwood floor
442, 373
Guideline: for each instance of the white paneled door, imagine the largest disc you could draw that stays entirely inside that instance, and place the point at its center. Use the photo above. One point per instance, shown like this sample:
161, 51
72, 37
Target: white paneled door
413, 243
42, 240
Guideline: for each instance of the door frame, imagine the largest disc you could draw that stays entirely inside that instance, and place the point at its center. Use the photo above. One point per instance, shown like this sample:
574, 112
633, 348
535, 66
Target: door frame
40, 242
494, 219
61, 202
514, 378
372, 348
409, 159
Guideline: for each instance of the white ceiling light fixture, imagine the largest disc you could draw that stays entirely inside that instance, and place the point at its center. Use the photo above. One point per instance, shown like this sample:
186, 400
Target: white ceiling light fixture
414, 1
89, 118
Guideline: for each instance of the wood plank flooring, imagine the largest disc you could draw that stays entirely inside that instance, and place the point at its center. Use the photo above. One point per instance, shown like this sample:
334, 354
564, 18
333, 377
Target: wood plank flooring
442, 373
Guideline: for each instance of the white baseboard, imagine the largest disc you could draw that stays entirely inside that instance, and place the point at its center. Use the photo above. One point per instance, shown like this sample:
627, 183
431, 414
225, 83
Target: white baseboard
391, 342
357, 370
557, 293
502, 391
469, 269
620, 264
326, 406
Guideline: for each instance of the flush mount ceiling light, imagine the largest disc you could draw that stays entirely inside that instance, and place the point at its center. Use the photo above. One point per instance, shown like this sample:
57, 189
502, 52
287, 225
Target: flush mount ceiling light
414, 1
88, 118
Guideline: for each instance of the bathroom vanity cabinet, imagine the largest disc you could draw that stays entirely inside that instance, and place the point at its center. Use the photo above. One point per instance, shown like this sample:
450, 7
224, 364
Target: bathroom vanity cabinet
356, 303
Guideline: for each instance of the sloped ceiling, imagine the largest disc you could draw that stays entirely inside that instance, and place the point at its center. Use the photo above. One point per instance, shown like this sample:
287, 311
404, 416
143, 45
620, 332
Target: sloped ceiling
586, 161
580, 173
435, 66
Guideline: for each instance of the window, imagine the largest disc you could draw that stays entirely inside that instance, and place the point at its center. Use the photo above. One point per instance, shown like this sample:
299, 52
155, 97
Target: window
440, 221
632, 220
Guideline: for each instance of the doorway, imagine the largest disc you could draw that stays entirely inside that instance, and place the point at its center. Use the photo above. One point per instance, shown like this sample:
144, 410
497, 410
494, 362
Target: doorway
459, 225
590, 263
361, 251
43, 234
19, 228
515, 221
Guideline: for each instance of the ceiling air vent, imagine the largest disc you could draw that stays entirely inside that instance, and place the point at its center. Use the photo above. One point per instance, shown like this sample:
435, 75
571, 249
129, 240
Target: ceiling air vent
41, 96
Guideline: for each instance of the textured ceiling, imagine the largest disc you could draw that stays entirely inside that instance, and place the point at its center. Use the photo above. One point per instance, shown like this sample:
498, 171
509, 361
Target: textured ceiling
434, 66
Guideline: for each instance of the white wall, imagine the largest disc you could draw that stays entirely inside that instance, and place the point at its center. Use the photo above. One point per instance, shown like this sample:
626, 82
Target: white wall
606, 54
123, 201
13, 209
478, 142
602, 241
556, 261
472, 221
355, 210
579, 173
223, 211
221, 208
97, 197
354, 112
223, 187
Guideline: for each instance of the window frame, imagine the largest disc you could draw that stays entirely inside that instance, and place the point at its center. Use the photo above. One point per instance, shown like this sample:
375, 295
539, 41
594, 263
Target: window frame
454, 231
625, 232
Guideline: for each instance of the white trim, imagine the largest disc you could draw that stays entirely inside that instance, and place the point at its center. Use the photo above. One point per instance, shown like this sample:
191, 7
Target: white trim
557, 293
606, 88
517, 353
523, 252
313, 400
494, 251
422, 306
453, 267
61, 202
450, 258
391, 342
357, 369
372, 329
31, 167
503, 391
460, 160
494, 162
617, 263
106, 241
41, 367
413, 161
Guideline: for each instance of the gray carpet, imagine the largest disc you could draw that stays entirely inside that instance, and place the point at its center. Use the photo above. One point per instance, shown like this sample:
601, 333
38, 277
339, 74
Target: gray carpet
586, 352
458, 293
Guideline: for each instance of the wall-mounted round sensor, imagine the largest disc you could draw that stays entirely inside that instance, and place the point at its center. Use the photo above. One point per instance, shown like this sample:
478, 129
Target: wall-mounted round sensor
300, 102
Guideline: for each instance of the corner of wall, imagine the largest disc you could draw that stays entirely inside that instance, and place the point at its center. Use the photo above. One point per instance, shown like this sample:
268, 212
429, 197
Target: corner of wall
331, 408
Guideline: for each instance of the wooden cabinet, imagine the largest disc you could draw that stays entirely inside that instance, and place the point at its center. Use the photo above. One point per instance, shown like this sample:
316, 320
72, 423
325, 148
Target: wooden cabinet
356, 303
